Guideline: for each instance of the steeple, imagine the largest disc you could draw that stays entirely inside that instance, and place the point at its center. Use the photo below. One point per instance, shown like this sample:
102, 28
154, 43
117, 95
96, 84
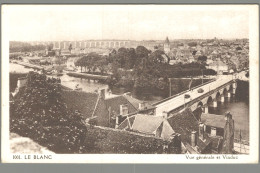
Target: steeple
166, 46
167, 40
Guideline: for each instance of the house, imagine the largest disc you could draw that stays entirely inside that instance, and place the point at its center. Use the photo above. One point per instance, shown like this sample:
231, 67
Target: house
65, 52
220, 128
21, 83
214, 124
184, 125
70, 63
219, 67
102, 110
193, 138
123, 105
157, 126
192, 130
166, 46
91, 105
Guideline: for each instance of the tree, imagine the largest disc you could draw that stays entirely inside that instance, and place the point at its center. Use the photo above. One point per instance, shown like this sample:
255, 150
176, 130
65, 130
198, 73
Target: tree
192, 44
238, 48
50, 47
157, 57
39, 112
142, 52
202, 58
131, 58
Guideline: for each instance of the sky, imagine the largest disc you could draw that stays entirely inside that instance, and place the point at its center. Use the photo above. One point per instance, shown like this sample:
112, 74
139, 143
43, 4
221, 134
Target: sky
125, 22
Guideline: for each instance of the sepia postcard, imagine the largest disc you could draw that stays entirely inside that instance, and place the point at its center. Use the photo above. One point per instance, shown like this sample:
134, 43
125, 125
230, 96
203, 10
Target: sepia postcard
130, 84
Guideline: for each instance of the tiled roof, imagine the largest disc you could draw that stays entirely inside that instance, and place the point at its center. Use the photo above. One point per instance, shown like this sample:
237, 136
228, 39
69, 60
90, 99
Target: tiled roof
102, 113
131, 120
115, 103
184, 123
82, 101
133, 101
147, 124
213, 120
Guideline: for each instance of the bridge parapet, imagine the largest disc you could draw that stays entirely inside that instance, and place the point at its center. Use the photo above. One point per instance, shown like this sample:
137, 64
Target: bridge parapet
193, 103
183, 92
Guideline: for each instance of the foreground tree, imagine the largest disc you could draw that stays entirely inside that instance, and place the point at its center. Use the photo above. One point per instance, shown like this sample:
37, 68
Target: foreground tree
38, 112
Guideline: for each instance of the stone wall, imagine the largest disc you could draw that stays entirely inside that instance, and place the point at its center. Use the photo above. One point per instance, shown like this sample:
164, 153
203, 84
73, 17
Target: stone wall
108, 140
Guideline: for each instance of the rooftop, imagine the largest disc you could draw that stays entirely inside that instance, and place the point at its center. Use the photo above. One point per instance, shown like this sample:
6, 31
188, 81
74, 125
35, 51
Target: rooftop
213, 120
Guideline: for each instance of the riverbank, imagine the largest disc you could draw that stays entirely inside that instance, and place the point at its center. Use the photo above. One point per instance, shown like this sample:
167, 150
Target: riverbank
88, 76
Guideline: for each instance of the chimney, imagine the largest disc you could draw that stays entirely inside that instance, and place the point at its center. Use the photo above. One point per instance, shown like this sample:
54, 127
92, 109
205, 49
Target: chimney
201, 131
165, 147
21, 82
123, 110
109, 92
117, 121
142, 105
193, 138
103, 93
228, 116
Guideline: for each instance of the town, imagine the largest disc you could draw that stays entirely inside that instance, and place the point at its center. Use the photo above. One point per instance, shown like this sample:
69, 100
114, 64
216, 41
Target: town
122, 96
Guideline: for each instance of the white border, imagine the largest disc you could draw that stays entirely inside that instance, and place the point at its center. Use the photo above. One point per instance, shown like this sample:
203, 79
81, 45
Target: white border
145, 158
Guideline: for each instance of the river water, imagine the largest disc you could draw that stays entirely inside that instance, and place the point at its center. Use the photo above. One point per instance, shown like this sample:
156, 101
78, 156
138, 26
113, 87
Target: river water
239, 110
238, 107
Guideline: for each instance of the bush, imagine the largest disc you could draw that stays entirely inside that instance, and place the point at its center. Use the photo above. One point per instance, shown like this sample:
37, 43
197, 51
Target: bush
39, 113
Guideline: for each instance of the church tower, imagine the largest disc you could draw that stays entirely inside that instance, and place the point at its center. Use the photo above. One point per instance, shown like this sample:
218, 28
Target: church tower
166, 46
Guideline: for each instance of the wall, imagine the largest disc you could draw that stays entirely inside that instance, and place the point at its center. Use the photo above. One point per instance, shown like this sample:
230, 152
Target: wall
107, 140
13, 80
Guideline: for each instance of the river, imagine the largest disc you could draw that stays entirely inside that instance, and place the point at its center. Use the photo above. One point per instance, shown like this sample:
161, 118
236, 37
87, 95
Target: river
240, 113
237, 106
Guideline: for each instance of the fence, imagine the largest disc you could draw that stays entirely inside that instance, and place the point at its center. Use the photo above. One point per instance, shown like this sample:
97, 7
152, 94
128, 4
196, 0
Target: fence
241, 146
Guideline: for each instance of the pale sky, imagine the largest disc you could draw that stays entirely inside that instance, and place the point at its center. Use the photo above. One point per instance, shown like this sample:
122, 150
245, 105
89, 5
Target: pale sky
128, 22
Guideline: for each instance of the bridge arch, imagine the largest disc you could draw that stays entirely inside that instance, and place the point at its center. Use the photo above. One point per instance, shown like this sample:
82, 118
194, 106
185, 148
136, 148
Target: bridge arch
230, 87
221, 91
210, 101
218, 96
225, 92
227, 87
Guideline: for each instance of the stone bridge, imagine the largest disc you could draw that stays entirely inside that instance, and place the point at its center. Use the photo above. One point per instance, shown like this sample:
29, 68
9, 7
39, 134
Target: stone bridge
213, 93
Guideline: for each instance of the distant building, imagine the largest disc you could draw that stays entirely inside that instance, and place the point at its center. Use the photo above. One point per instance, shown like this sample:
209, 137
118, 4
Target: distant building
166, 46
219, 67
